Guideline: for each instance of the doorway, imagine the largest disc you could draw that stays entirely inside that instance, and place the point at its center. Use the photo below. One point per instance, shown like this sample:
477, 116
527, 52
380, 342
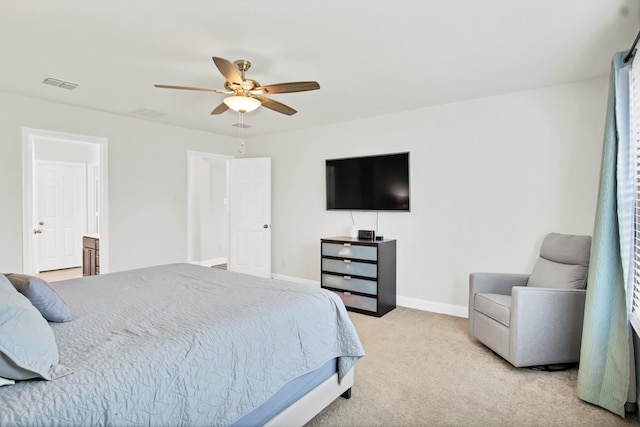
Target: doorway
207, 209
56, 154
229, 212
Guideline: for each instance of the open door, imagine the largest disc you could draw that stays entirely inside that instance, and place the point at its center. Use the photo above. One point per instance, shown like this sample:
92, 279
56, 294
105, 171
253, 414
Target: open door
250, 216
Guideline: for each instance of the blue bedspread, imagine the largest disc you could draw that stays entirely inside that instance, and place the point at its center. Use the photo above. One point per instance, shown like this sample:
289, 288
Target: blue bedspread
181, 345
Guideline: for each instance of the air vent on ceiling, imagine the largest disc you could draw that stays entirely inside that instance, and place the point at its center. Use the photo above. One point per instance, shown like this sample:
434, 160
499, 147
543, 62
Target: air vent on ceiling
68, 85
59, 83
241, 125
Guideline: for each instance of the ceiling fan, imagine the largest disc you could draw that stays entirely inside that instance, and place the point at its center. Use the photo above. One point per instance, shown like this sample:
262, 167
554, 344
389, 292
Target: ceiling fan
246, 94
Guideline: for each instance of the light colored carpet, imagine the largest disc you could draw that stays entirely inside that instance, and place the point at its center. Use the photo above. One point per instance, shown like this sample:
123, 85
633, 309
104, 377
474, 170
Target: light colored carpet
422, 369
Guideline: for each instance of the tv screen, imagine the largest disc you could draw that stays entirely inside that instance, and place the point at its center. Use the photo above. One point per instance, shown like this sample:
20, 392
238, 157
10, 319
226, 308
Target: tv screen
371, 183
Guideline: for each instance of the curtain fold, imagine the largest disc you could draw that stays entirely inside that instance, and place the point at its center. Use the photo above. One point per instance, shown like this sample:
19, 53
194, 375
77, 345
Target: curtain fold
625, 195
604, 373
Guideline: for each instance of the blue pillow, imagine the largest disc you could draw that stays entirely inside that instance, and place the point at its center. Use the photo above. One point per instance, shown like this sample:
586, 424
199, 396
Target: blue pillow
42, 296
28, 347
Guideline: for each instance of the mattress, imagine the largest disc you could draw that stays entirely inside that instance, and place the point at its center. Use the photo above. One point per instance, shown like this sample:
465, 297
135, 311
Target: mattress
181, 344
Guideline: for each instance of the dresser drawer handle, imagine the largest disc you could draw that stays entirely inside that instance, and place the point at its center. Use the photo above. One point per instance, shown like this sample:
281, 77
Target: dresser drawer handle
347, 261
346, 277
346, 293
347, 244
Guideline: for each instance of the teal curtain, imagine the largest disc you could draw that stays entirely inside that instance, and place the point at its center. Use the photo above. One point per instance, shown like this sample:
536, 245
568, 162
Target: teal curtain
604, 373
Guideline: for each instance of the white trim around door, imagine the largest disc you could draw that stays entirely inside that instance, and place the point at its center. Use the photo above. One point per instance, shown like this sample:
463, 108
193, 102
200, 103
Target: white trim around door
29, 138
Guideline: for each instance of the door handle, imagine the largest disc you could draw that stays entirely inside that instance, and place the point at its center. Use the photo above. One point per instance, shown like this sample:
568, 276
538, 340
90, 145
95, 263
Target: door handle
37, 231
265, 226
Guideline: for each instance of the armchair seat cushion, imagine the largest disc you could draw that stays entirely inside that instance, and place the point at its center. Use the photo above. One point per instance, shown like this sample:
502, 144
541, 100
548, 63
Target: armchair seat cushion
495, 306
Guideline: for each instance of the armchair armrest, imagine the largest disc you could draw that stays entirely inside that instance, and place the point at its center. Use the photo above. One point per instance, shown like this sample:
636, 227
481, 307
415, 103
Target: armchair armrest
494, 283
545, 325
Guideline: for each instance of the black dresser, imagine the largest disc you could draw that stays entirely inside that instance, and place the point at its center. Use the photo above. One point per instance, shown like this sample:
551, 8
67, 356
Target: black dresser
361, 272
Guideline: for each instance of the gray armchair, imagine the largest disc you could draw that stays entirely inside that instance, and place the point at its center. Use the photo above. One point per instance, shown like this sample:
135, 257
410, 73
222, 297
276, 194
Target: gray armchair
534, 319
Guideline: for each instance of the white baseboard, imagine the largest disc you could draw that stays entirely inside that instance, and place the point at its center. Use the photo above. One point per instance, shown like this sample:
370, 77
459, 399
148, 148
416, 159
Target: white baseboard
433, 306
409, 302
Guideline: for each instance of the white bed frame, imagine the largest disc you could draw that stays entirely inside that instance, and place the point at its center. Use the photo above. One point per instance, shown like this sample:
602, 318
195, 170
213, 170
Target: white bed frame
312, 403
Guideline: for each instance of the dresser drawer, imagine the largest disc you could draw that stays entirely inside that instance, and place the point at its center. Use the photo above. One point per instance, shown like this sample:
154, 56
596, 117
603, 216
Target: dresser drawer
358, 301
347, 250
350, 268
349, 283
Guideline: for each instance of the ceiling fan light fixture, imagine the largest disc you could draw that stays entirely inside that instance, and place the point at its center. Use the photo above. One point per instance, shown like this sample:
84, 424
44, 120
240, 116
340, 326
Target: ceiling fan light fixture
242, 104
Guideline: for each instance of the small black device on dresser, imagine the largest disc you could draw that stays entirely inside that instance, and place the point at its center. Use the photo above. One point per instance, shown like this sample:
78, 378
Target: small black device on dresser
366, 235
361, 272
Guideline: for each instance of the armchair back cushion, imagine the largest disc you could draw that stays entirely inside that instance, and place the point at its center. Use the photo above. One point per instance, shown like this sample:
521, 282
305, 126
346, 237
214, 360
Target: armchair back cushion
563, 262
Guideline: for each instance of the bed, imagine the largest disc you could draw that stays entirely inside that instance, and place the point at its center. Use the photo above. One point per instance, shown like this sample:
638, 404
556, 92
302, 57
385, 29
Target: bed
185, 345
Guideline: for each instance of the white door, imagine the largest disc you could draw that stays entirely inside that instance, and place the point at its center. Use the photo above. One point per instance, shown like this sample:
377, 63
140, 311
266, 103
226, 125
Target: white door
250, 216
59, 215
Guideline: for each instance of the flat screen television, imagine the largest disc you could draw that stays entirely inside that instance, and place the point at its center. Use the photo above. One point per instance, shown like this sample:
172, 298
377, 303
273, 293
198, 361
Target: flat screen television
371, 183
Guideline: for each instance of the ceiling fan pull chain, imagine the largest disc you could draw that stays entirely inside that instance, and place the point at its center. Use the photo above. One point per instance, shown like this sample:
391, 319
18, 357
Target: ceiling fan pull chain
241, 132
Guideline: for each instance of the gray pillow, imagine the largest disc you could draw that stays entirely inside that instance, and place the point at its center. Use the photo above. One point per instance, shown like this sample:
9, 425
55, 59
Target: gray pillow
566, 249
563, 262
28, 347
42, 296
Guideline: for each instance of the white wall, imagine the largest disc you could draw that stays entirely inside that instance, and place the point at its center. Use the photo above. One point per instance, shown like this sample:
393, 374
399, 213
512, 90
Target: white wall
147, 179
209, 217
65, 151
219, 221
489, 178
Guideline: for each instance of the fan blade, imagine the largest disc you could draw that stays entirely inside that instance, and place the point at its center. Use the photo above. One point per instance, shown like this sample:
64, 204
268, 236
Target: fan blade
276, 106
258, 91
290, 87
227, 69
220, 109
204, 89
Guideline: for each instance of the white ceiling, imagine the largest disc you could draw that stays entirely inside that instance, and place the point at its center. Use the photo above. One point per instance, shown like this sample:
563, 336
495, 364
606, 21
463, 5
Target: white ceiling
370, 57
